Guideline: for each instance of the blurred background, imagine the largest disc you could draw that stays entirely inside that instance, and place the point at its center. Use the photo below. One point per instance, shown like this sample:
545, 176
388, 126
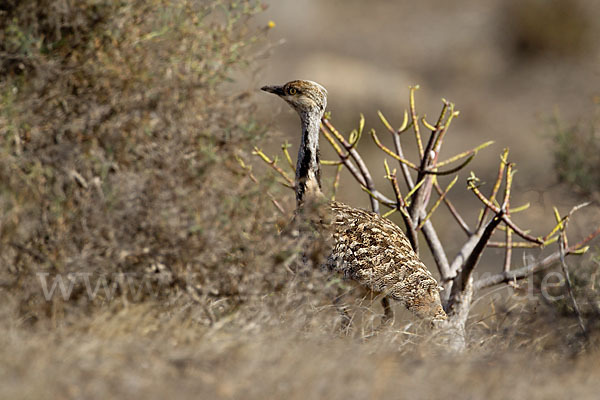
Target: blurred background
519, 72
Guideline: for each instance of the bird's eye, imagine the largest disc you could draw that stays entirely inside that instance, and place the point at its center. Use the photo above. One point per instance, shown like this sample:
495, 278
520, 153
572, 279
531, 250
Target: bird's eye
292, 90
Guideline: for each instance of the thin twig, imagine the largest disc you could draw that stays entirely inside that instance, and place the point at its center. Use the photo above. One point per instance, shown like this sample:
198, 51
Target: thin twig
334, 144
390, 152
464, 154
403, 167
535, 266
461, 222
437, 203
253, 179
473, 259
431, 237
496, 187
286, 153
411, 232
515, 245
273, 164
509, 247
403, 128
505, 208
344, 157
446, 127
517, 274
336, 180
506, 220
433, 171
565, 269
415, 119
562, 245
437, 250
359, 163
430, 158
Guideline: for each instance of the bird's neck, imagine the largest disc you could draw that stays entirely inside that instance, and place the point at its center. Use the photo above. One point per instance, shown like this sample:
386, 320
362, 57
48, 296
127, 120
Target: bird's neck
308, 169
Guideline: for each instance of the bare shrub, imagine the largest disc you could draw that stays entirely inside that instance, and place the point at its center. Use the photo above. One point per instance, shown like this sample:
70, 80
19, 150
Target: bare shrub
421, 179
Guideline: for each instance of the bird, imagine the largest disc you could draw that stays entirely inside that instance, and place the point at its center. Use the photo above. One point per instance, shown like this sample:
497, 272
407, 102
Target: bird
367, 248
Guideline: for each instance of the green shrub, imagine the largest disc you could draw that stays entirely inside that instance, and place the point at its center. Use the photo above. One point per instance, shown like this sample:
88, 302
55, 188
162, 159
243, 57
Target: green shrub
577, 155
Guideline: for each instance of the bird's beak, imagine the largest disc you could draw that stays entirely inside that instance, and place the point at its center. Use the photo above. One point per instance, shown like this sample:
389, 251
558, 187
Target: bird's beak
278, 90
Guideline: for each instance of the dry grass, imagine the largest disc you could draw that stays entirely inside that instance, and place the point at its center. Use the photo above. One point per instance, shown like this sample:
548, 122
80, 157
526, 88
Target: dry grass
155, 351
118, 165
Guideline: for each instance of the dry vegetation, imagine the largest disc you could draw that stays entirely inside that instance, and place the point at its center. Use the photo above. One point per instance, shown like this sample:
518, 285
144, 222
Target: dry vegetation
118, 168
555, 28
577, 153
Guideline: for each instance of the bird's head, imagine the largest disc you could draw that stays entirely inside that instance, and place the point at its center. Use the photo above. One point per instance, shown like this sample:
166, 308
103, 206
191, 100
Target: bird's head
303, 96
428, 305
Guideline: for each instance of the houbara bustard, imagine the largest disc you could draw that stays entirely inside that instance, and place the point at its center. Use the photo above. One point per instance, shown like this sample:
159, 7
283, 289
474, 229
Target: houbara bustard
366, 248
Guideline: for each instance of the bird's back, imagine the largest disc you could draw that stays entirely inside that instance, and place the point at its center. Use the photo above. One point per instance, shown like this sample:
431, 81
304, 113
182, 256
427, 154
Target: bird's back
376, 253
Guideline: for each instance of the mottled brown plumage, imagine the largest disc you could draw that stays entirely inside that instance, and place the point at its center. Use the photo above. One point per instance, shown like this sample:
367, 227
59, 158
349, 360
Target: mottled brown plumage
374, 252
366, 248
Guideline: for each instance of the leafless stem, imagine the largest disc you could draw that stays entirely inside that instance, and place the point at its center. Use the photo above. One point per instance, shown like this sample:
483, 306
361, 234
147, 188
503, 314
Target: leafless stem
253, 179
461, 222
477, 251
496, 186
516, 274
514, 245
450, 171
273, 164
506, 220
464, 154
286, 153
509, 247
401, 206
336, 180
415, 119
437, 203
565, 269
405, 172
390, 152
505, 208
437, 250
433, 241
428, 158
562, 245
548, 261
368, 180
